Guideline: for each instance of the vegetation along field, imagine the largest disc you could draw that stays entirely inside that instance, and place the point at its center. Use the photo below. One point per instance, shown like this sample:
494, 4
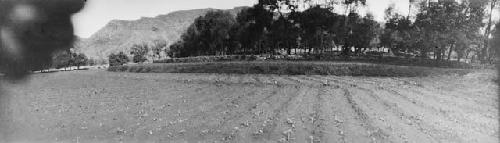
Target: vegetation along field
101, 106
291, 68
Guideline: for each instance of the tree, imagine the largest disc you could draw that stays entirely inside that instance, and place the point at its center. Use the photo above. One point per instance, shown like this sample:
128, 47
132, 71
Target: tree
496, 40
352, 4
487, 31
208, 35
465, 32
79, 59
139, 52
316, 24
449, 25
253, 24
363, 33
175, 49
350, 11
214, 30
402, 36
277, 5
157, 47
283, 34
386, 39
118, 59
62, 59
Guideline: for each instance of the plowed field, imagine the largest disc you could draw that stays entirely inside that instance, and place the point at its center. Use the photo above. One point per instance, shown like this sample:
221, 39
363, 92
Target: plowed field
100, 106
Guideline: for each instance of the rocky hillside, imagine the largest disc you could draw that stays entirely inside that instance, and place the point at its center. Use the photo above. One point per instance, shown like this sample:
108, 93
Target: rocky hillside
120, 35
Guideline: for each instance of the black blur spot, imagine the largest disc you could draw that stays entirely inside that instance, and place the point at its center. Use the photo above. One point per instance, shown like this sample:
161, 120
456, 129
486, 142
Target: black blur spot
51, 31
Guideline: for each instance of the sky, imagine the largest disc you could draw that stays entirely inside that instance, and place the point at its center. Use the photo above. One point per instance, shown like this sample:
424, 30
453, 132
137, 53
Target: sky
97, 13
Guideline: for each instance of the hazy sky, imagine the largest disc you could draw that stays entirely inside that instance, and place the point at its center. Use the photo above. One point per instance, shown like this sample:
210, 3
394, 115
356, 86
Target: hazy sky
97, 13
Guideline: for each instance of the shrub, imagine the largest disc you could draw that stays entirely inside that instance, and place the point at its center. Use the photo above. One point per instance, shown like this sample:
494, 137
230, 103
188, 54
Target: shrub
139, 52
118, 59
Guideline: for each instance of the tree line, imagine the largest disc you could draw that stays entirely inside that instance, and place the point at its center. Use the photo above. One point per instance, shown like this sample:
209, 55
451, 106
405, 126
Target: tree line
140, 53
68, 58
437, 30
440, 28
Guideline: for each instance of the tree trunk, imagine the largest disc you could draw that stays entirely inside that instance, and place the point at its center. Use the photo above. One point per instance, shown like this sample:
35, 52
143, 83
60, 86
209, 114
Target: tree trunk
487, 32
322, 48
423, 53
356, 51
491, 53
482, 54
439, 53
449, 52
436, 53
467, 55
346, 50
244, 49
442, 51
261, 47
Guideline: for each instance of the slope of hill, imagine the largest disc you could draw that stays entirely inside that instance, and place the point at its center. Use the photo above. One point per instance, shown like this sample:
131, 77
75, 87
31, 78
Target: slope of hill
120, 35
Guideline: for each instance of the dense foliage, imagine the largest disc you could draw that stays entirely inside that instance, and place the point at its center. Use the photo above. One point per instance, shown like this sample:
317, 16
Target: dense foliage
261, 30
157, 48
436, 30
139, 52
68, 58
118, 59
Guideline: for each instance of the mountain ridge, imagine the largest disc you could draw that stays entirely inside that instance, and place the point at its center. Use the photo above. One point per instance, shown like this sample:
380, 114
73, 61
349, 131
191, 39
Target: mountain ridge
121, 35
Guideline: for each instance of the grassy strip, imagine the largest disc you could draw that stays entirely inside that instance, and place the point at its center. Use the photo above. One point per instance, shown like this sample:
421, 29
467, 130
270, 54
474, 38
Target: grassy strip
325, 57
411, 62
290, 68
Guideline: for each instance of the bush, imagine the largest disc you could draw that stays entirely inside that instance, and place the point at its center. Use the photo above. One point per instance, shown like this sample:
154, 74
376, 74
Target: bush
139, 52
118, 59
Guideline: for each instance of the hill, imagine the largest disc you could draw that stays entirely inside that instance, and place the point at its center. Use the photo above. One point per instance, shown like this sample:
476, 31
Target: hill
120, 35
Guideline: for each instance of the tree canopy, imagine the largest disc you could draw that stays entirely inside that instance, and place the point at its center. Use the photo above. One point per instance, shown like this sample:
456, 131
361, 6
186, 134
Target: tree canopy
118, 59
139, 52
208, 35
437, 30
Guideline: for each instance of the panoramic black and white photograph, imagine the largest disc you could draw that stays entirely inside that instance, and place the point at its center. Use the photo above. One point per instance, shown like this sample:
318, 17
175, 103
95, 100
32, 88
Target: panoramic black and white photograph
249, 71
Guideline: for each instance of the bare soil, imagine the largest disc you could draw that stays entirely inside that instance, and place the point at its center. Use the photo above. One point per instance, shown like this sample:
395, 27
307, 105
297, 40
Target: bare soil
100, 106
